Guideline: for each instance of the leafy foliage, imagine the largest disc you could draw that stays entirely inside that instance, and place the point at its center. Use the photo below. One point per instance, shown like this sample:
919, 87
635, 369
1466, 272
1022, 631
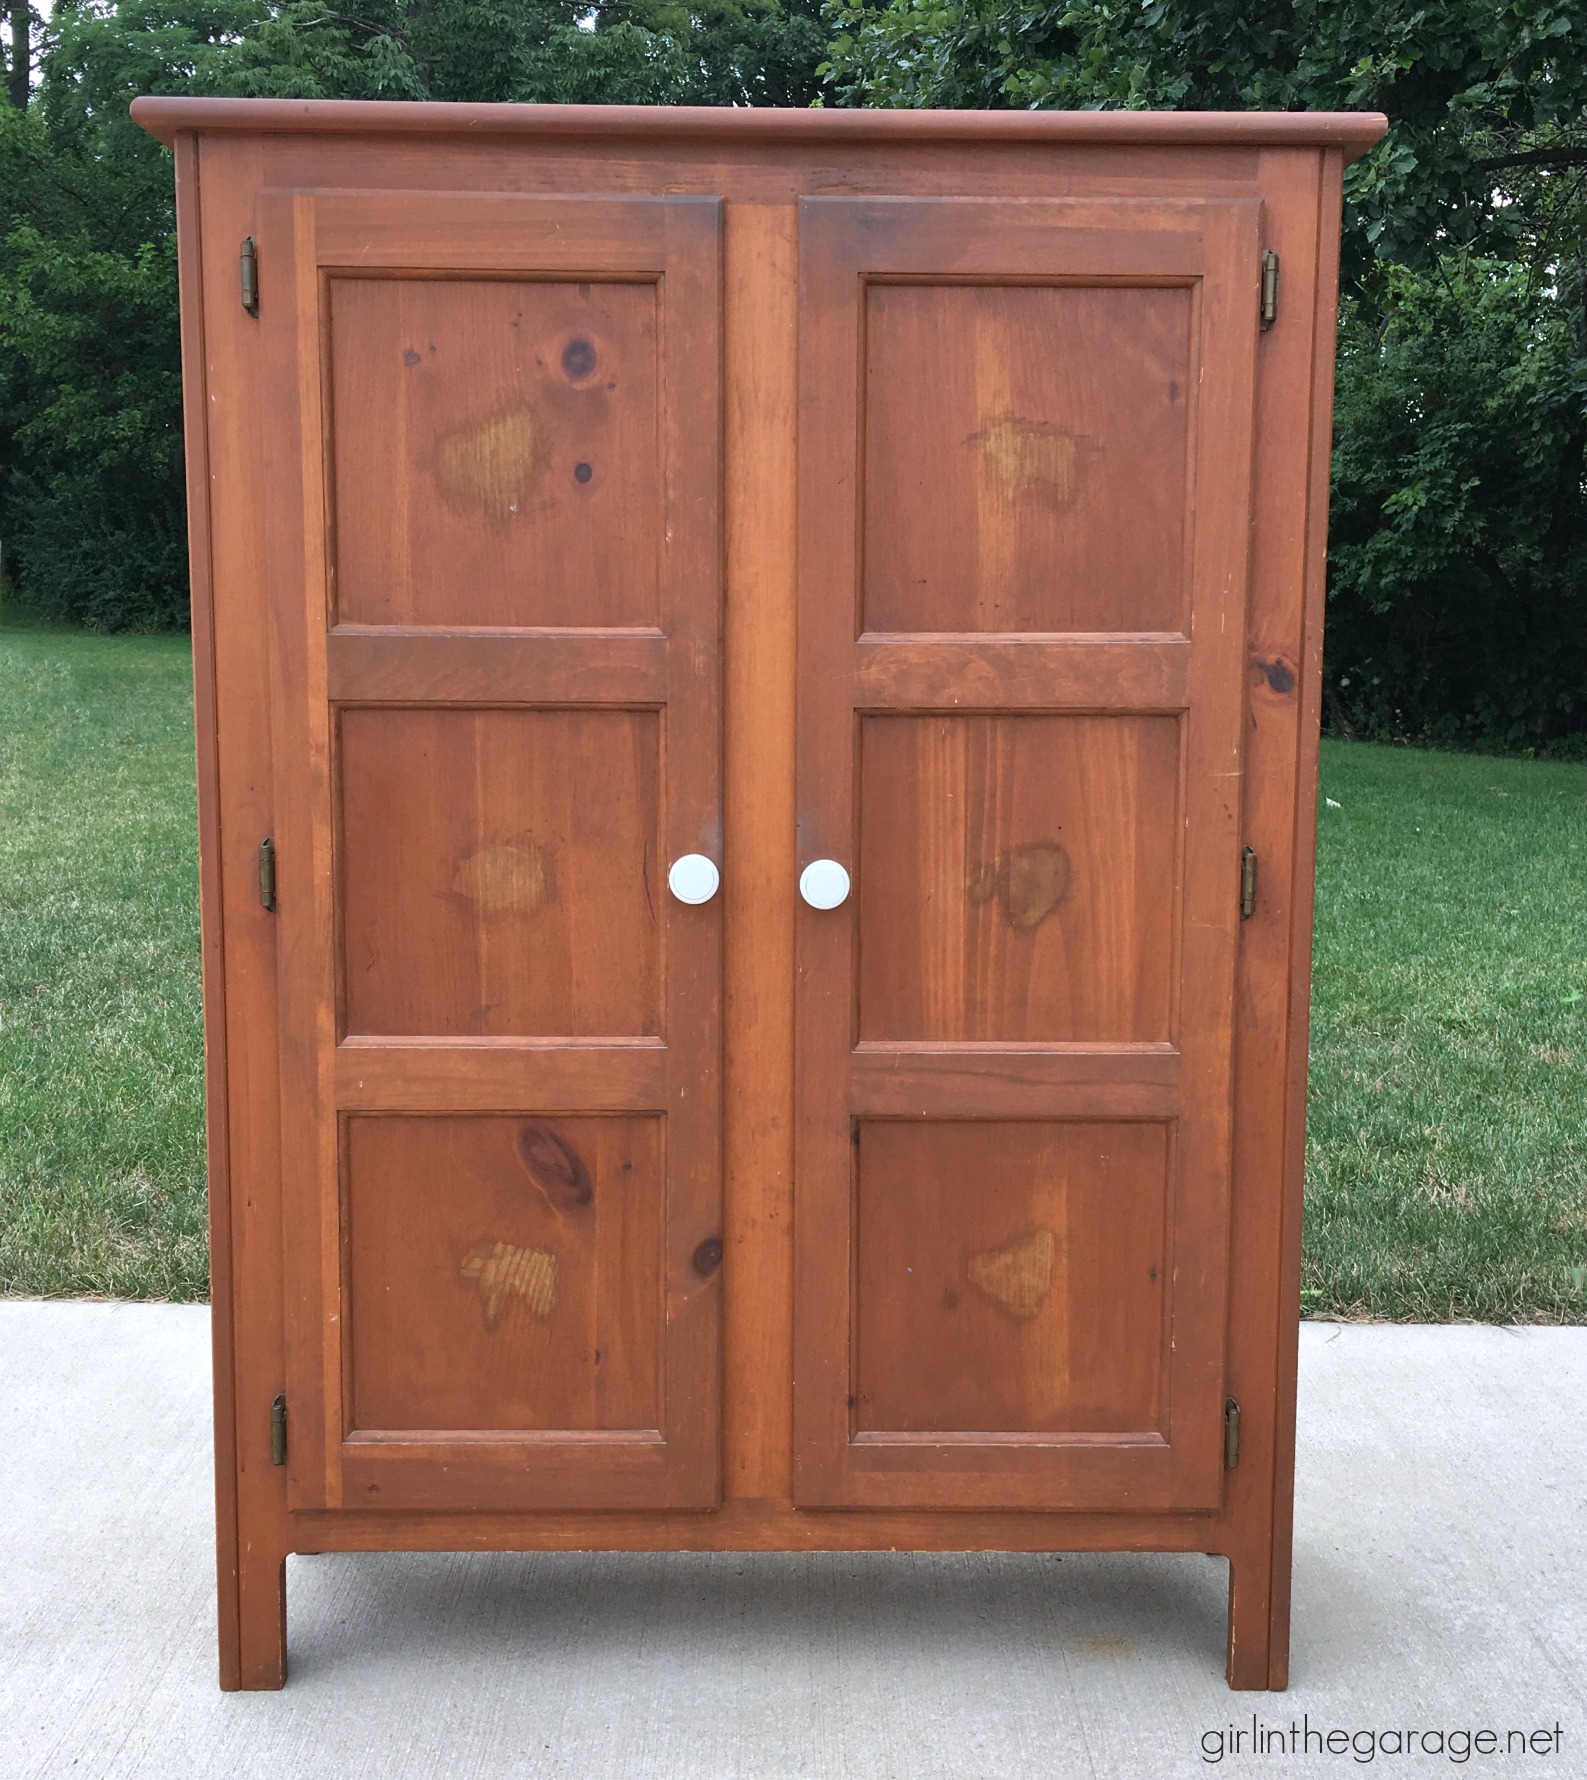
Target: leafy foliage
1458, 587
1458, 596
1466, 83
91, 505
95, 498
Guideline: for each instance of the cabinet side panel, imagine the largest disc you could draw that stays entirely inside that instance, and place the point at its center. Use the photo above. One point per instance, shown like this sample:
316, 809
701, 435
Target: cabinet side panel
190, 277
241, 1025
1283, 664
1305, 797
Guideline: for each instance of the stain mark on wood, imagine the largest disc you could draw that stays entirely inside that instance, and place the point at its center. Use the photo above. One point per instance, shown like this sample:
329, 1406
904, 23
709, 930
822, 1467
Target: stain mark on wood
1030, 882
1018, 1276
1034, 460
491, 466
506, 878
555, 1167
504, 1271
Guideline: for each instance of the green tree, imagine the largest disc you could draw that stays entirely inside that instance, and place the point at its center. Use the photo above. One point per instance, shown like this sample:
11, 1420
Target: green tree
19, 52
91, 508
1481, 97
1458, 581
1458, 548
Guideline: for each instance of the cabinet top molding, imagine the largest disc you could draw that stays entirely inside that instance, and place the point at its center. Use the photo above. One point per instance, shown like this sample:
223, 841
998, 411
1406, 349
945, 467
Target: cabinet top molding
1352, 131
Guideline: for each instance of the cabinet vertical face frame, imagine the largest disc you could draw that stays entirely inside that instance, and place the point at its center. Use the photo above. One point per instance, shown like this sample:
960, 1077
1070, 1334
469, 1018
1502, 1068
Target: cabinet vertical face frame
493, 463
1024, 503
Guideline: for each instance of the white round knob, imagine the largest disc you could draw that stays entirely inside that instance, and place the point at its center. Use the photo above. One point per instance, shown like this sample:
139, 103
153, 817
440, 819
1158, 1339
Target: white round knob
824, 884
693, 878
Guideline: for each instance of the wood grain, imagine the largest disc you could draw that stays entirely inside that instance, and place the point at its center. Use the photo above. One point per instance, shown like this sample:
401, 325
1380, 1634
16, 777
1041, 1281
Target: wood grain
506, 1273
494, 451
1054, 876
245, 1121
423, 1075
1014, 673
748, 1524
379, 666
501, 871
1016, 877
760, 869
953, 1080
1284, 694
224, 1234
1352, 131
1051, 430
1011, 1278
448, 195
473, 847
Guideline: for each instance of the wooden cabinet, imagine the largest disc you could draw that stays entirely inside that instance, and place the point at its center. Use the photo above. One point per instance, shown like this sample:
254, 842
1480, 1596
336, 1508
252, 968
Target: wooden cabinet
940, 497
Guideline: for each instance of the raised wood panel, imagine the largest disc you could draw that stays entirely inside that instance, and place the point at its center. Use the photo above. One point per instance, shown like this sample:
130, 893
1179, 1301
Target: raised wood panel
1025, 457
1010, 1278
494, 451
504, 1273
500, 872
1017, 877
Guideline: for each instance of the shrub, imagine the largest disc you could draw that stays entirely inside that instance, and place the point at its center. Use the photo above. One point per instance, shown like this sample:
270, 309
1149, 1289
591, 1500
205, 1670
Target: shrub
1457, 601
94, 521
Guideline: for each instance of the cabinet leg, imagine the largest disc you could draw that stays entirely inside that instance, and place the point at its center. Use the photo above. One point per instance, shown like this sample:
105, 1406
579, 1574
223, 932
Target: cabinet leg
253, 1623
1258, 1654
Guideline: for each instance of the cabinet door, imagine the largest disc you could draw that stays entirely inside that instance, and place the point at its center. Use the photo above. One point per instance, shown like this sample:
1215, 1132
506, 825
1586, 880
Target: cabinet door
494, 555
1025, 446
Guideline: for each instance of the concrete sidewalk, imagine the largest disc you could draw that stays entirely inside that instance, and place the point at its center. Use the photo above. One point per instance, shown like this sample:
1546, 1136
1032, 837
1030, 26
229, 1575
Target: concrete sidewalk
1441, 1584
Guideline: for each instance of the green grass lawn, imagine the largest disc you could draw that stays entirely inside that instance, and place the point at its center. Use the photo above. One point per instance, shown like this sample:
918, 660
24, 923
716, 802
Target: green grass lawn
101, 1096
1447, 1169
1447, 1161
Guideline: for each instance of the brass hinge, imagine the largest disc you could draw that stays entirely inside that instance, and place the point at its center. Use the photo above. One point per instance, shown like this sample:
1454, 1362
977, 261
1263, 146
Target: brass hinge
267, 873
250, 274
1231, 1434
1269, 289
278, 1430
1247, 883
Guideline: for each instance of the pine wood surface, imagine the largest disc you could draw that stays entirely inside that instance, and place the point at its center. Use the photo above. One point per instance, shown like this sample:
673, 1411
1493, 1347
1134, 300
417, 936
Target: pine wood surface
1003, 1021
1351, 131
